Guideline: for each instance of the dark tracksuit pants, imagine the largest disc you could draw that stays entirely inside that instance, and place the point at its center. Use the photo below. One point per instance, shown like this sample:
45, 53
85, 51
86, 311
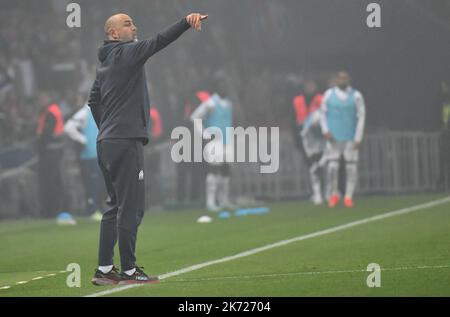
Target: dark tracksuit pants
121, 162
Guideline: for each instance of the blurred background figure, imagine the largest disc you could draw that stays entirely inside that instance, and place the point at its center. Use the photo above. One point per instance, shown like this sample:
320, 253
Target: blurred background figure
191, 175
445, 134
216, 113
82, 129
343, 119
156, 187
304, 104
313, 143
50, 128
308, 135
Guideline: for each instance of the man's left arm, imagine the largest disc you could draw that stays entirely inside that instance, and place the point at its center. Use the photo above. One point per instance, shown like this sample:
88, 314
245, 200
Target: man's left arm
323, 117
361, 119
139, 52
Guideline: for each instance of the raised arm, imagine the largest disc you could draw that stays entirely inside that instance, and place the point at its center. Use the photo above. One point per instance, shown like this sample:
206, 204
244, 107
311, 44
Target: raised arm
137, 53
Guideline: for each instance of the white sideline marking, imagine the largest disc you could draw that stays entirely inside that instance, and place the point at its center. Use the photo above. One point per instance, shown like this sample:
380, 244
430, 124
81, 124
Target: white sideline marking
219, 278
283, 243
21, 282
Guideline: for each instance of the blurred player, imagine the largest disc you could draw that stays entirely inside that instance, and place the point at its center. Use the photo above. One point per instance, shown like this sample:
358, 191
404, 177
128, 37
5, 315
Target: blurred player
216, 112
314, 144
156, 190
342, 121
81, 128
308, 135
191, 175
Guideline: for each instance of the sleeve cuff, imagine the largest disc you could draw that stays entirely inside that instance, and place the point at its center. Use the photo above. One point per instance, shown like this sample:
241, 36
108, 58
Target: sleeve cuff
185, 23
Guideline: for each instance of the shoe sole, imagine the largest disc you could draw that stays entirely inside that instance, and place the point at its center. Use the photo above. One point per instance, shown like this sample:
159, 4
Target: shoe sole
129, 282
103, 281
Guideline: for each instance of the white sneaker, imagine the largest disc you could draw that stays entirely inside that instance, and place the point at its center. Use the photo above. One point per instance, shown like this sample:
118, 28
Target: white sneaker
317, 200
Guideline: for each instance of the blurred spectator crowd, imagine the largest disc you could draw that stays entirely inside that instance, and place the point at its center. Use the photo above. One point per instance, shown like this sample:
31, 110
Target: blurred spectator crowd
265, 69
35, 55
39, 53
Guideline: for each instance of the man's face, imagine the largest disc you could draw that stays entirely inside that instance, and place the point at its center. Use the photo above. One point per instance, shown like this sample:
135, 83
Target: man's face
44, 100
123, 29
221, 87
310, 88
343, 80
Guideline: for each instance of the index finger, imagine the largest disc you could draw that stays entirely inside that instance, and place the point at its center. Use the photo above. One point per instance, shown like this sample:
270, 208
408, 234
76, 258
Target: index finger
203, 17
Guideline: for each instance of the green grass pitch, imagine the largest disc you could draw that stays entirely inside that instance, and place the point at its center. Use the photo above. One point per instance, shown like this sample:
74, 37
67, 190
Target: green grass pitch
412, 249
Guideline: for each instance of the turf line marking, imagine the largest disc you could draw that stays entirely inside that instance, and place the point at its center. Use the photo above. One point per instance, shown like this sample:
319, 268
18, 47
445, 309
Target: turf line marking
33, 279
21, 282
283, 243
9, 272
305, 273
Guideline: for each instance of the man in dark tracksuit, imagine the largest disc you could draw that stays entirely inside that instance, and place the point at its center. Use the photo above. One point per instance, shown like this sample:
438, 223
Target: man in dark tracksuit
120, 105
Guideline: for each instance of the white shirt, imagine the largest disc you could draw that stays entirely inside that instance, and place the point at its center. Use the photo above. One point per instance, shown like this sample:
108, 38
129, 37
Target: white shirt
312, 137
76, 123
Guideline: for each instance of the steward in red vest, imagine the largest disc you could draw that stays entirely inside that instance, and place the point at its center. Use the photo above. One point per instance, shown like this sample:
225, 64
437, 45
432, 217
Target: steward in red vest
304, 104
49, 131
50, 127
